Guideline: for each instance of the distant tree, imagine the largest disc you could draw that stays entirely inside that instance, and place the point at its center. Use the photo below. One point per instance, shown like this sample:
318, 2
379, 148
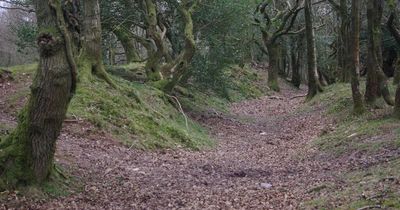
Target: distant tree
355, 57
395, 31
275, 20
377, 84
314, 85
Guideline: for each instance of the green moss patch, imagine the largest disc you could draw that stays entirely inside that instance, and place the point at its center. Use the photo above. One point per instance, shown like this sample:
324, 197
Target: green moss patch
138, 115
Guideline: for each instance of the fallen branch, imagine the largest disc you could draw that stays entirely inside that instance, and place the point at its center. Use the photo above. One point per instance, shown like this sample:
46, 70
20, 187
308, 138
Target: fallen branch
370, 207
181, 110
300, 96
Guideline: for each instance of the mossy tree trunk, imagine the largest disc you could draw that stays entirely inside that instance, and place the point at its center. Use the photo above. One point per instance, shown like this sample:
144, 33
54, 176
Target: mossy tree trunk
175, 70
355, 57
377, 82
26, 156
272, 31
155, 57
127, 43
313, 79
91, 58
273, 55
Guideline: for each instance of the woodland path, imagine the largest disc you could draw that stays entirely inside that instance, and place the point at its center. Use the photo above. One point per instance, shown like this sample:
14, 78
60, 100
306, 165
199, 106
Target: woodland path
263, 161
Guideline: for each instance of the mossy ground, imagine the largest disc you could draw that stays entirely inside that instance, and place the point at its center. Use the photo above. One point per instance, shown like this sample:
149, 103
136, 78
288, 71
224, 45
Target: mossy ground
245, 83
373, 134
141, 116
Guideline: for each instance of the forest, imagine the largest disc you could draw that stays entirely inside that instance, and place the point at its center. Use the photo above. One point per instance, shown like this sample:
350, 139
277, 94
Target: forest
200, 104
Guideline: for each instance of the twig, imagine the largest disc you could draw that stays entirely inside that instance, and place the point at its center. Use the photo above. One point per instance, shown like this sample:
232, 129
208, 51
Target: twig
300, 96
181, 110
370, 207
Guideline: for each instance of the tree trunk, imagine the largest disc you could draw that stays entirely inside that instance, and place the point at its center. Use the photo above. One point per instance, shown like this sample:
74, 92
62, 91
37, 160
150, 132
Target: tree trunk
296, 80
296, 54
26, 156
313, 81
355, 57
273, 55
377, 83
343, 42
396, 34
174, 71
154, 62
91, 60
127, 43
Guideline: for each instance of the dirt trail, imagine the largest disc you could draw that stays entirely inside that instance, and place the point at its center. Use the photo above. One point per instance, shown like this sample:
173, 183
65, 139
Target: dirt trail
263, 161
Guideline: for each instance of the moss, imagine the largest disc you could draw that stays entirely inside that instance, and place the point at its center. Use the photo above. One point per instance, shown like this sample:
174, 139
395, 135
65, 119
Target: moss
136, 114
373, 186
13, 156
24, 69
370, 134
274, 85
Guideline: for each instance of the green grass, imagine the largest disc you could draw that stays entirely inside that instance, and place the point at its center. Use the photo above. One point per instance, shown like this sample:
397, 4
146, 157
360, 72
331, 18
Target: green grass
23, 69
368, 133
138, 115
371, 135
245, 83
135, 114
377, 185
141, 116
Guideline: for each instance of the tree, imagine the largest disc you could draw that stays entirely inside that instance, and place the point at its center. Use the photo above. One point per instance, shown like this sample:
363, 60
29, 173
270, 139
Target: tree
343, 39
91, 59
377, 83
119, 18
26, 156
396, 34
272, 29
355, 57
314, 85
296, 56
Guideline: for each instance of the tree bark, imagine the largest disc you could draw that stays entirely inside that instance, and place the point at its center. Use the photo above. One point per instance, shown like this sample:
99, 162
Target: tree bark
91, 59
26, 156
174, 71
396, 34
273, 55
313, 80
377, 83
355, 57
127, 43
343, 58
296, 55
